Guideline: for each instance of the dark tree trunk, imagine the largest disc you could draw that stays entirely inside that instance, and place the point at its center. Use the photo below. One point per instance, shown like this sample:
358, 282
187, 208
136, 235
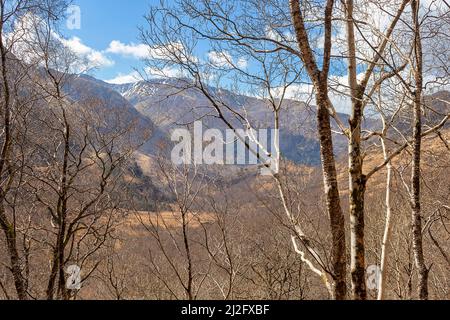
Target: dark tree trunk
357, 189
11, 242
419, 258
329, 172
333, 202
7, 172
357, 180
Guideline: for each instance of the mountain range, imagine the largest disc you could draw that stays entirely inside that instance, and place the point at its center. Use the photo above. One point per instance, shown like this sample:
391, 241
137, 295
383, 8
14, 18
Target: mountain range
165, 104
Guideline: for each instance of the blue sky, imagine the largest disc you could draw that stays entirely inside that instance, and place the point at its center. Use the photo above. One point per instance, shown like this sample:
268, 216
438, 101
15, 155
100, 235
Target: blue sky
104, 21
109, 38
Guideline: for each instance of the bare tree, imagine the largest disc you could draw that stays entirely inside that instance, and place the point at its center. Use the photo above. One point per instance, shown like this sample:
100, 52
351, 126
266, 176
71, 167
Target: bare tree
14, 109
167, 27
417, 149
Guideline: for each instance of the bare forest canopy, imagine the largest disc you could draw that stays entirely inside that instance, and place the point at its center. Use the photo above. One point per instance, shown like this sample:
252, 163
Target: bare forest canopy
92, 205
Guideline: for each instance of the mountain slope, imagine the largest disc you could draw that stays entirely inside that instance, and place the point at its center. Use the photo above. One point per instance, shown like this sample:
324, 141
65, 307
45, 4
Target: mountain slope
169, 107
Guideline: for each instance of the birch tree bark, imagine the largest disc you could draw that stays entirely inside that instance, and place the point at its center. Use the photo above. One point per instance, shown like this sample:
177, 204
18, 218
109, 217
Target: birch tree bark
388, 225
320, 81
422, 270
357, 180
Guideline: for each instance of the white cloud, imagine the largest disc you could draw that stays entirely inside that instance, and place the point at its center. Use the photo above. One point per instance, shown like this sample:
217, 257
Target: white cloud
285, 36
242, 63
149, 73
138, 51
125, 78
220, 59
26, 41
92, 57
167, 72
143, 51
223, 59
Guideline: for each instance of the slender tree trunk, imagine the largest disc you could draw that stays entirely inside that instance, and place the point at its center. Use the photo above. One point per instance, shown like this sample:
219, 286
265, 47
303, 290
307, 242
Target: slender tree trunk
61, 209
52, 278
387, 229
6, 151
187, 247
357, 191
11, 242
333, 202
62, 290
416, 206
329, 172
57, 279
422, 270
357, 180
57, 275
